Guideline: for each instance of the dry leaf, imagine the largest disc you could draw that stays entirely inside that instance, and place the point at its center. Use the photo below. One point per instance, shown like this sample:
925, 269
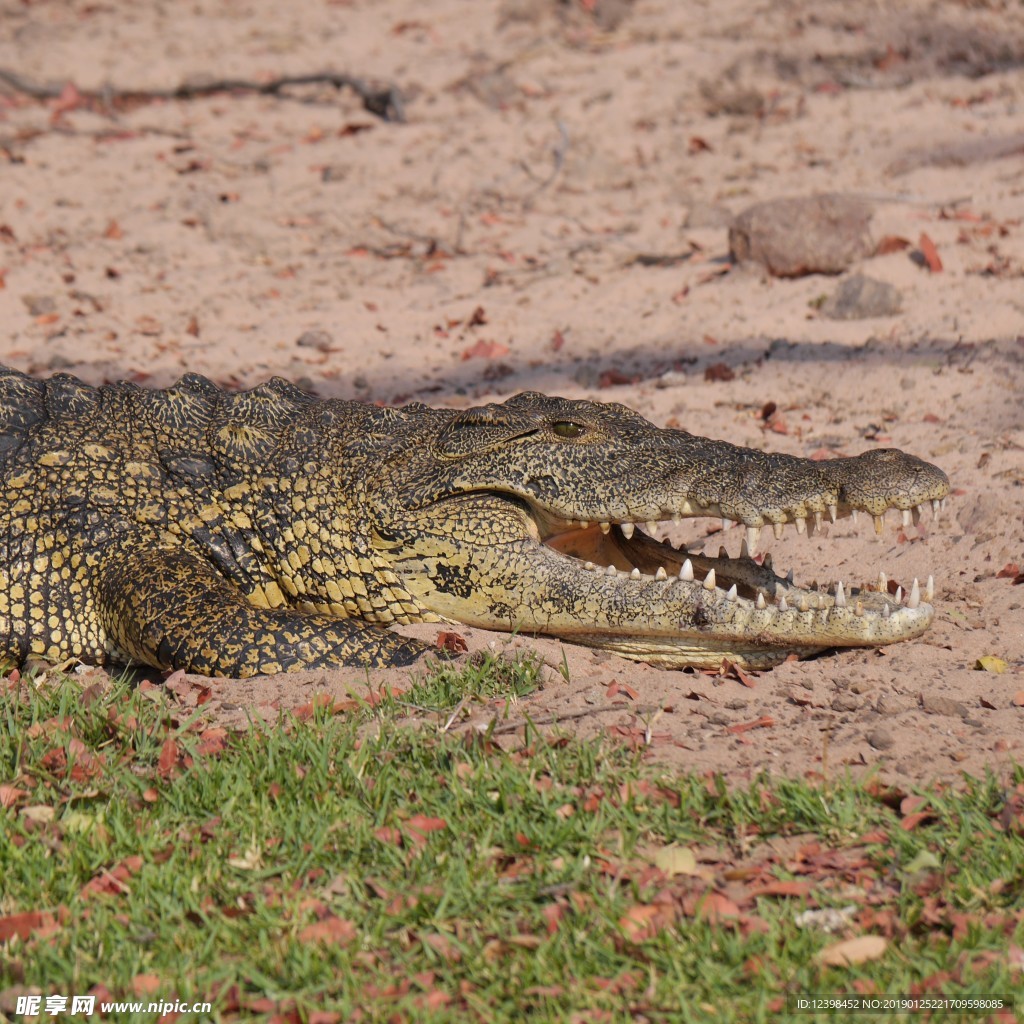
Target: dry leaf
930, 253
990, 663
852, 951
676, 860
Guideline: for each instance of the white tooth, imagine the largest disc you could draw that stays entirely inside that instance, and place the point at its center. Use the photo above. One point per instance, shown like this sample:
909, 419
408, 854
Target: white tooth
899, 595
753, 539
804, 604
783, 606
605, 527
942, 503
833, 512
584, 525
929, 591
817, 522
611, 571
879, 524
859, 608
686, 573
854, 514
710, 581
840, 596
801, 525
790, 577
635, 574
886, 611
589, 566
778, 529
883, 583
686, 508
652, 527
677, 520
915, 514
915, 595
661, 574
936, 507
731, 593
627, 530
907, 517
759, 603
726, 523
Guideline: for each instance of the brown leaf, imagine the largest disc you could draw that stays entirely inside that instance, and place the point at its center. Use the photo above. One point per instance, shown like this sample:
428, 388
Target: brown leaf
477, 317
930, 253
891, 243
764, 722
454, 643
1008, 571
331, 931
849, 952
643, 921
719, 372
28, 923
113, 230
717, 907
783, 888
485, 349
169, 753
212, 741
10, 795
147, 984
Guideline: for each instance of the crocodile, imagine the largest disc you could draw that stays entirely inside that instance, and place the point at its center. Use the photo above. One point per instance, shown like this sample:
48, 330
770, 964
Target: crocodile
267, 530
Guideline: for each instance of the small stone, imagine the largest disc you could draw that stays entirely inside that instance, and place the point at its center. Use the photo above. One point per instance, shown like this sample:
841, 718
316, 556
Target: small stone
881, 738
845, 702
943, 706
40, 305
803, 235
320, 340
859, 297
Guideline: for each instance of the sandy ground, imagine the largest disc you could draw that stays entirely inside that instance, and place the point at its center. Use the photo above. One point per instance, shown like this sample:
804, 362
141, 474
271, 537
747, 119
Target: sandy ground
571, 170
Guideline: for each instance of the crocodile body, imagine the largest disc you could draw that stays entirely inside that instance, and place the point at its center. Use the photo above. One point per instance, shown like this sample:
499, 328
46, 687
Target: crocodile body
267, 531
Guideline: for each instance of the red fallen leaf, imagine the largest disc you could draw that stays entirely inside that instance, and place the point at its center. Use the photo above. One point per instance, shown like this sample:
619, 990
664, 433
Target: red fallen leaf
930, 417
212, 741
485, 349
151, 796
147, 984
387, 834
452, 642
615, 688
782, 888
113, 230
331, 931
557, 341
477, 317
909, 804
891, 243
643, 921
699, 145
113, 882
764, 722
930, 253
719, 372
10, 795
323, 1017
30, 922
169, 753
69, 99
1018, 699
443, 946
1008, 571
730, 668
614, 378
911, 821
420, 826
716, 907
553, 914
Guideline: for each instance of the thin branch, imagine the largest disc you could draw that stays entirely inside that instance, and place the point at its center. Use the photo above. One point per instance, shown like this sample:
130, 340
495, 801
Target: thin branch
385, 103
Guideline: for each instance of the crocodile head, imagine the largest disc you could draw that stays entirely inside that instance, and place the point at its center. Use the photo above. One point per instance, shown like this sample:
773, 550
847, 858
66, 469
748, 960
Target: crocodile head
538, 515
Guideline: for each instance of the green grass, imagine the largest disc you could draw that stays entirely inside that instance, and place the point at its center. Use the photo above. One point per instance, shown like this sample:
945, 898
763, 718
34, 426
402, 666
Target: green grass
351, 868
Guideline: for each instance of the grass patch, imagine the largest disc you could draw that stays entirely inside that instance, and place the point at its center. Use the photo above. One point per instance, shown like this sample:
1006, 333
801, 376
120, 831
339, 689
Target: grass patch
320, 873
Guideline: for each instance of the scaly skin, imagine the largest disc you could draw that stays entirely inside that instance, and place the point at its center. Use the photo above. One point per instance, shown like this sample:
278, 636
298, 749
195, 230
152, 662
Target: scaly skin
267, 531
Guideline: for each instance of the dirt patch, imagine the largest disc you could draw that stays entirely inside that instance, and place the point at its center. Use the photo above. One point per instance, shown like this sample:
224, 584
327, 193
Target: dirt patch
570, 171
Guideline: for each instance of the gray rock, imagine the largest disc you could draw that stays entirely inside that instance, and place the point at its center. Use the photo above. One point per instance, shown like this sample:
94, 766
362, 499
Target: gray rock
806, 235
881, 738
859, 297
943, 706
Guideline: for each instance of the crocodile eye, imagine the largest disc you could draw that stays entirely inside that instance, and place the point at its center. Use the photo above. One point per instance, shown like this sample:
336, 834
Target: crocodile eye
566, 428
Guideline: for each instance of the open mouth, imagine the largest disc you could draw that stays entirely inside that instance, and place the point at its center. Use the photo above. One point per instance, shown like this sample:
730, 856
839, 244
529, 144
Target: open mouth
629, 550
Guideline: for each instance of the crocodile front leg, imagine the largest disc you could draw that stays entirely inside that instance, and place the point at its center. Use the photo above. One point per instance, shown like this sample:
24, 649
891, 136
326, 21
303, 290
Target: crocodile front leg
169, 608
